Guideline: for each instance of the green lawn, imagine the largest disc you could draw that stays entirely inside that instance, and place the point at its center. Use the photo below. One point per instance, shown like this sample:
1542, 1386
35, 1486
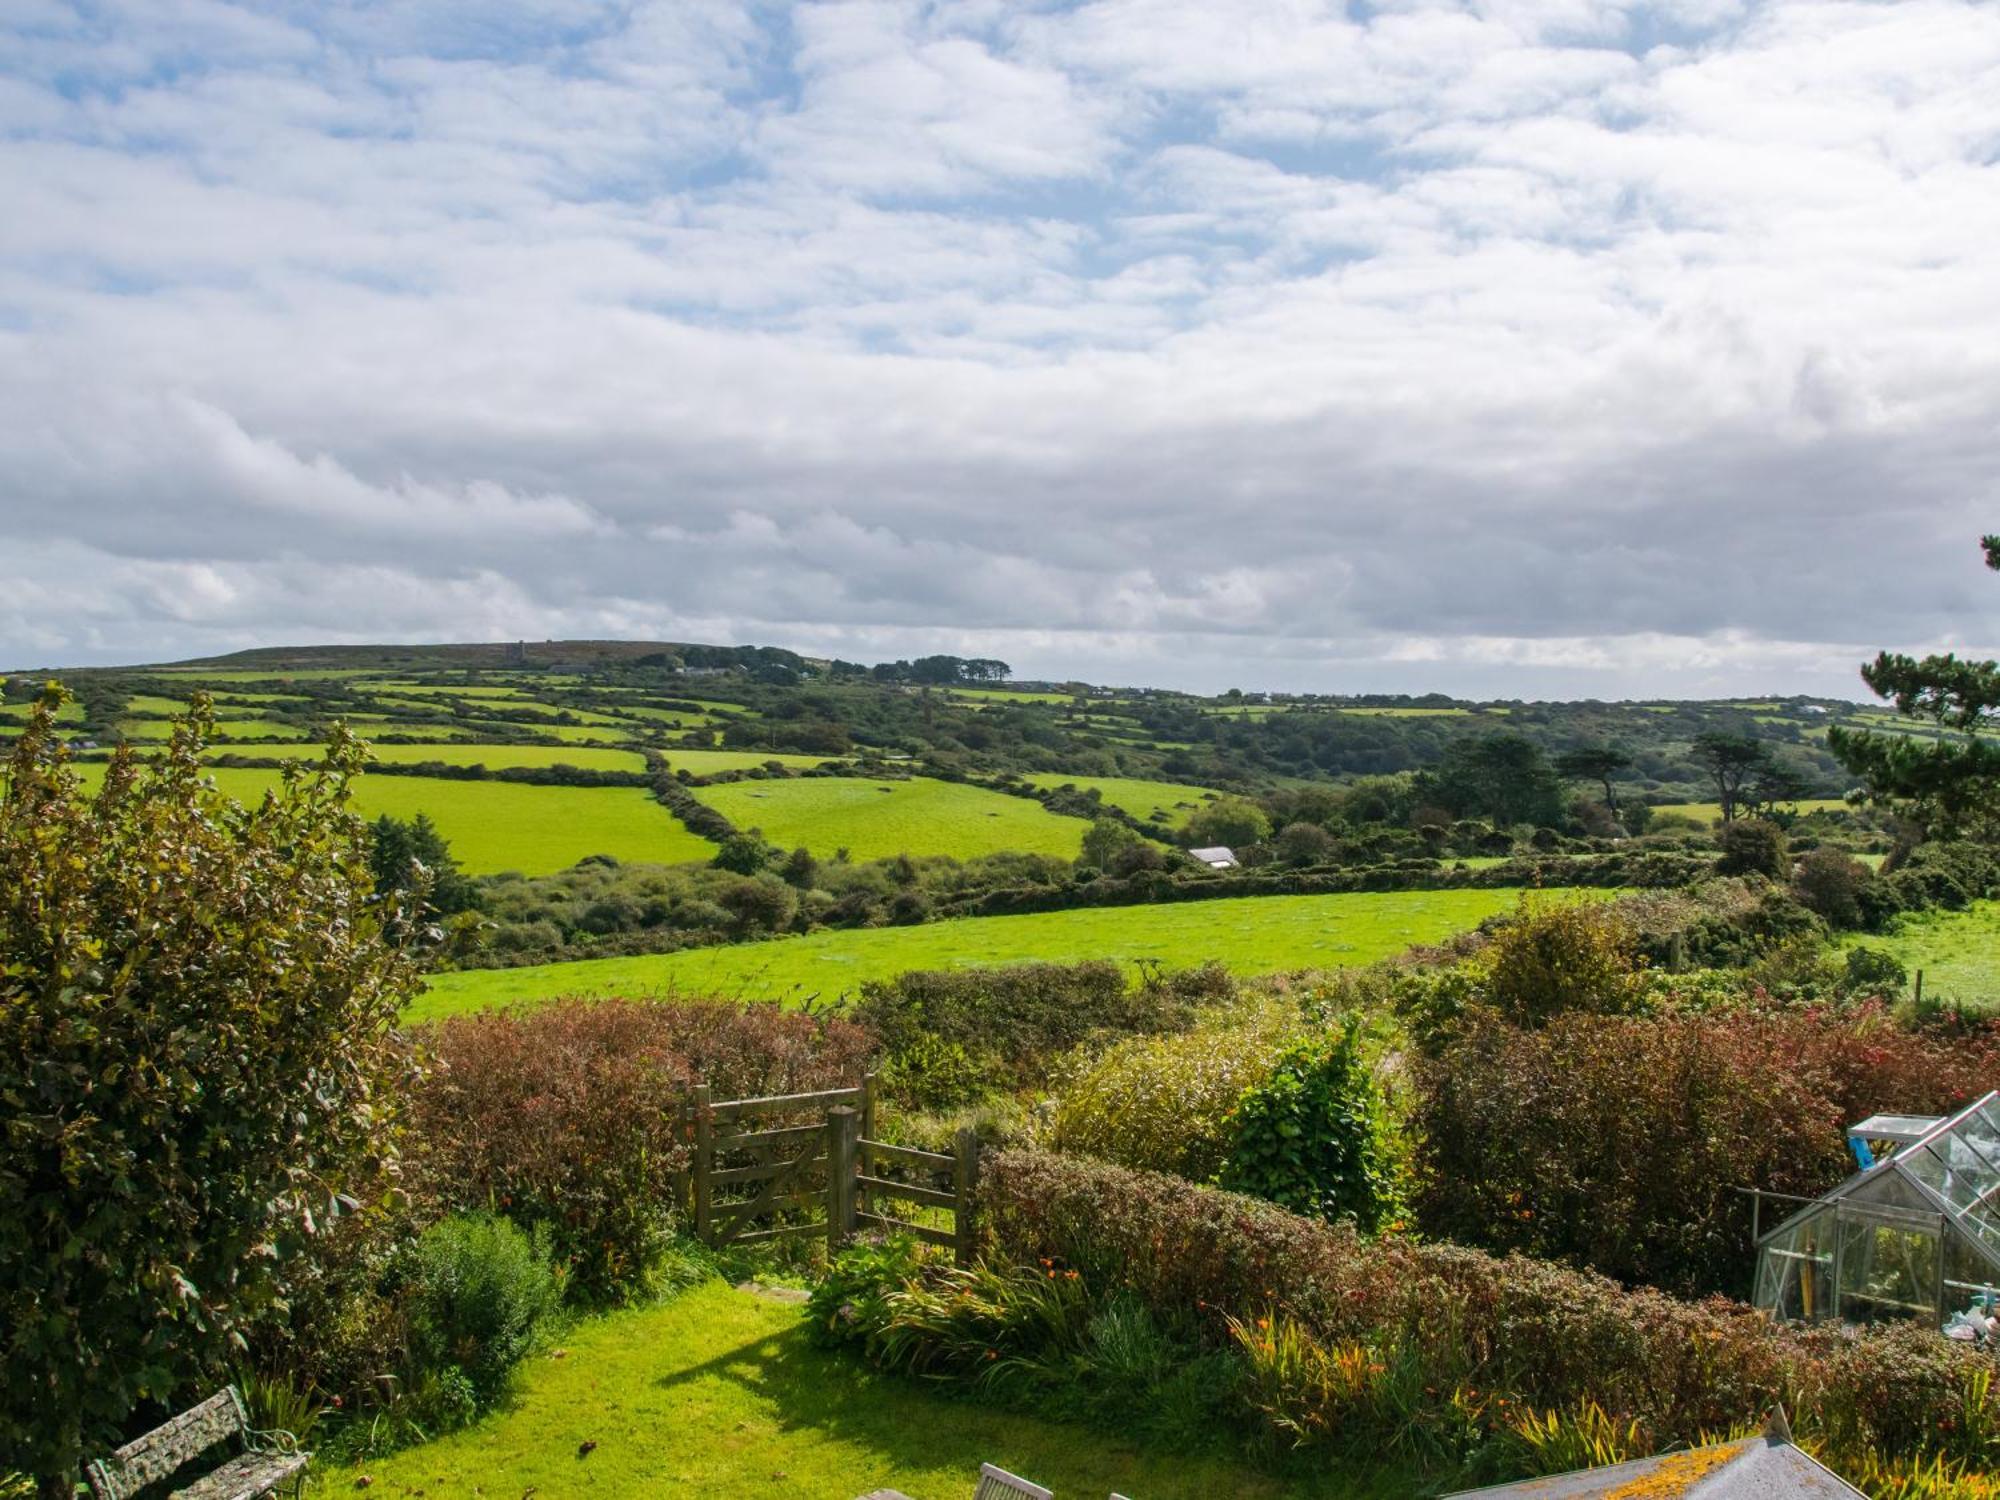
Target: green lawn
721, 1393
1142, 799
879, 819
493, 757
499, 825
1251, 934
1959, 952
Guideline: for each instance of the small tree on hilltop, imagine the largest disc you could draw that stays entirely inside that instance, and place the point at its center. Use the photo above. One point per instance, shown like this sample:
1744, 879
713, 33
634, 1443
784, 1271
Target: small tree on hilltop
1950, 785
1598, 763
1735, 763
198, 1060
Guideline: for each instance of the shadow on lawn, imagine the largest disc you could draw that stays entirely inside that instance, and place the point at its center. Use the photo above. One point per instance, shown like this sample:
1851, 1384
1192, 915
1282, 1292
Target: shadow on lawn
919, 1430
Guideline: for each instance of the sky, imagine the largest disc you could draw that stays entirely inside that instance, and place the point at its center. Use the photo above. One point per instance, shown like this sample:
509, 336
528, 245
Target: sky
1527, 348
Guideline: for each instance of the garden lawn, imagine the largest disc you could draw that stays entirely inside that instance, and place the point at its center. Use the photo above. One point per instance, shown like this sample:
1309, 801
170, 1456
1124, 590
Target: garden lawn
499, 825
1959, 952
493, 757
1142, 799
880, 819
1250, 934
721, 1393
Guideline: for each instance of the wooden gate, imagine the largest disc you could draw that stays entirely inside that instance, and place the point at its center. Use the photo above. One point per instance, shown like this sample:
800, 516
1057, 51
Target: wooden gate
829, 1172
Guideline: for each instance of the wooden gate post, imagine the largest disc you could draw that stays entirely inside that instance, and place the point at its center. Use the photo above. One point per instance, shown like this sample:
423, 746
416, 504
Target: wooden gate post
843, 1133
704, 1132
965, 1183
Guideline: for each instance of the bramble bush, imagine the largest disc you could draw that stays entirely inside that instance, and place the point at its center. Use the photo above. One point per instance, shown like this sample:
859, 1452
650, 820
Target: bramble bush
567, 1115
1619, 1143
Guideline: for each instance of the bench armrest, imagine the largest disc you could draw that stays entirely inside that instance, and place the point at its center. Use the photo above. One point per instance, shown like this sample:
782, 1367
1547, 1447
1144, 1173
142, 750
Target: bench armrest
275, 1440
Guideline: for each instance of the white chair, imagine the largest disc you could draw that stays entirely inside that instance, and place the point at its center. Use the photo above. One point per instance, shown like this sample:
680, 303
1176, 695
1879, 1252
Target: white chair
998, 1484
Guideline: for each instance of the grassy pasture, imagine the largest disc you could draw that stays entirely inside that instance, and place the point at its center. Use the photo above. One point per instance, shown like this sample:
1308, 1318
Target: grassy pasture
676, 717
1959, 952
1142, 799
271, 674
720, 1392
145, 703
493, 757
498, 825
710, 762
878, 819
17, 713
1406, 713
1711, 812
1009, 695
1251, 934
150, 730
571, 734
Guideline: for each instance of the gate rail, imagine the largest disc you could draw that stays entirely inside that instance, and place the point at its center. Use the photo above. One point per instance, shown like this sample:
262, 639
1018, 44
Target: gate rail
834, 1165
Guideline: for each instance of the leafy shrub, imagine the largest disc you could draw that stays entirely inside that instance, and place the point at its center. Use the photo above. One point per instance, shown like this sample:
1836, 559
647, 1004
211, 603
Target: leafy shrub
1620, 1142
1562, 957
1829, 882
200, 1066
1466, 1341
1310, 1136
1014, 1019
1164, 1102
1874, 971
568, 1115
1753, 846
930, 1074
479, 1291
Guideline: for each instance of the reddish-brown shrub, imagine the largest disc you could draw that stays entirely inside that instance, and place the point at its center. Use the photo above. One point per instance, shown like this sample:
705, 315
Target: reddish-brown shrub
1620, 1143
568, 1114
1536, 1332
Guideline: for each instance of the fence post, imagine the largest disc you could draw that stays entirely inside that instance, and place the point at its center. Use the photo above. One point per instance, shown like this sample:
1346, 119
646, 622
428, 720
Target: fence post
1918, 999
704, 1134
964, 1184
843, 1131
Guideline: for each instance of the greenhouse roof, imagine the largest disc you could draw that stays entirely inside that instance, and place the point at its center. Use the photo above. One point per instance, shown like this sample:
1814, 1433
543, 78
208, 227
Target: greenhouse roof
1952, 1170
1904, 1130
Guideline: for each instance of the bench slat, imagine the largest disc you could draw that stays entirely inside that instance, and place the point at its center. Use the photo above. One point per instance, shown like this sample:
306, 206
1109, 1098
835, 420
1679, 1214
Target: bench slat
245, 1477
168, 1446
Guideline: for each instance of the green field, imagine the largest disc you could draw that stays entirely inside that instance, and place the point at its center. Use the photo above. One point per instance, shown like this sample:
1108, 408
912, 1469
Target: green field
1251, 934
880, 819
1142, 799
1407, 713
569, 734
1711, 812
235, 729
69, 713
1009, 695
499, 825
1959, 952
710, 762
721, 1393
493, 757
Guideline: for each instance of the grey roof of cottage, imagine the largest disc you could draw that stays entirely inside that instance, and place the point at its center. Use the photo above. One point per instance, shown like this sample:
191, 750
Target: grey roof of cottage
1767, 1467
1208, 856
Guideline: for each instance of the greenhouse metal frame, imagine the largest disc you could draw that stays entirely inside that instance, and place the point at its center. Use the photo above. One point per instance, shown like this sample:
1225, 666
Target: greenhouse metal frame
1914, 1234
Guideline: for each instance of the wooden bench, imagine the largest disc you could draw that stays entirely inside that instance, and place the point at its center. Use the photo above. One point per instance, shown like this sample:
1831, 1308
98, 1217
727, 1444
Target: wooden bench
267, 1460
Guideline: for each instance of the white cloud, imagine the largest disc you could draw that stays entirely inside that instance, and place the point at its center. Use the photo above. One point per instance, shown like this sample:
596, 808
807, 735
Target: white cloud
1573, 342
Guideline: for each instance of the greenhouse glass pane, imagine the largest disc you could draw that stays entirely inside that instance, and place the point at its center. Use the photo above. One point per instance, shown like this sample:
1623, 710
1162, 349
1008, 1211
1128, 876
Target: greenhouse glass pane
1888, 1269
1795, 1271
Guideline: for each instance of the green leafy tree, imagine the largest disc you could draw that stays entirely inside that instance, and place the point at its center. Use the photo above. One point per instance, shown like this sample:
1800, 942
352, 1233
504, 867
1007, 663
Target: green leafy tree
1312, 1137
1735, 763
1227, 821
413, 858
1950, 784
1105, 841
1753, 846
1505, 777
1598, 763
198, 1064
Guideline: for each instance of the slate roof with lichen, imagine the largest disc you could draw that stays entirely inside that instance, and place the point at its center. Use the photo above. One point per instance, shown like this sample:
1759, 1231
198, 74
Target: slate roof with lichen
1766, 1467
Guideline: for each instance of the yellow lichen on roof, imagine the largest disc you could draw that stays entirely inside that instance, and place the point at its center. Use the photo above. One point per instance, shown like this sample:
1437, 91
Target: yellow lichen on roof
1676, 1475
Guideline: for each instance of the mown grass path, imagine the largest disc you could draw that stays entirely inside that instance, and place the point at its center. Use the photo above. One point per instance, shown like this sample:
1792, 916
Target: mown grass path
1250, 934
720, 1393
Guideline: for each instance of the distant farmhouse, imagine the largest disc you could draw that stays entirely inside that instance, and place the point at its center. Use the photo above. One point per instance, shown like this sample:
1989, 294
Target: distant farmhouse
1217, 858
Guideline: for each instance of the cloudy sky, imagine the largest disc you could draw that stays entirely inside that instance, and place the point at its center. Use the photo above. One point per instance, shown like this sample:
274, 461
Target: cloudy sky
1522, 348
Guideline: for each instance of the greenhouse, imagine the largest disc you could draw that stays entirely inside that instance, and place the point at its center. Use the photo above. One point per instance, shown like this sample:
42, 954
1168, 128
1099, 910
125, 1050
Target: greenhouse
1915, 1233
